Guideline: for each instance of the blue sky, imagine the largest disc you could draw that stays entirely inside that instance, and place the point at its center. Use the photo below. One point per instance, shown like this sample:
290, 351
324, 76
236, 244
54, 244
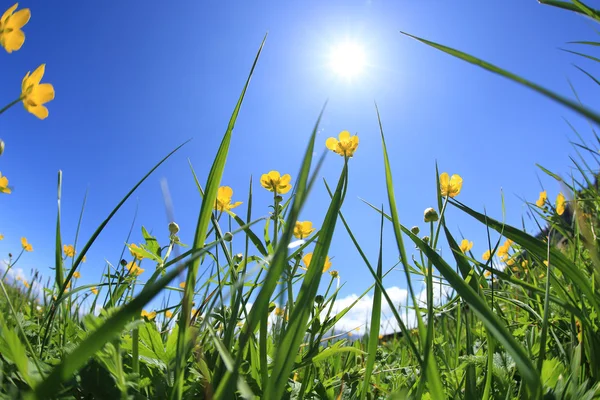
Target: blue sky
135, 79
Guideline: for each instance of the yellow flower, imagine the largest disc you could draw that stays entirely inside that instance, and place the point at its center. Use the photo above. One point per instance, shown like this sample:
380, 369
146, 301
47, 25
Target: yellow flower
274, 182
308, 257
168, 314
76, 274
510, 262
542, 199
560, 204
450, 186
334, 274
487, 274
26, 284
11, 35
83, 259
194, 311
503, 250
4, 185
26, 246
303, 229
1, 236
182, 285
134, 269
69, 250
346, 146
279, 311
546, 263
350, 333
380, 336
149, 315
524, 264
36, 94
94, 290
486, 255
136, 254
465, 245
223, 201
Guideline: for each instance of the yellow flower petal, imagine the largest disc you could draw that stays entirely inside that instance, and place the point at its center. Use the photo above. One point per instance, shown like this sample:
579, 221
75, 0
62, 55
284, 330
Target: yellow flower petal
18, 19
12, 41
344, 135
486, 255
8, 13
43, 93
94, 290
39, 111
331, 143
560, 204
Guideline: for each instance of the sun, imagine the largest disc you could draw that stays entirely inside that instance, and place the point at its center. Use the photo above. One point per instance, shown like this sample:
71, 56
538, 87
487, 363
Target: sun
347, 59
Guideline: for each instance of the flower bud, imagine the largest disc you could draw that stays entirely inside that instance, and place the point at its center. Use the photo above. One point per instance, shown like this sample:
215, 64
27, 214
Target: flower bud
415, 230
238, 257
334, 274
430, 215
425, 239
228, 236
1, 147
173, 228
319, 299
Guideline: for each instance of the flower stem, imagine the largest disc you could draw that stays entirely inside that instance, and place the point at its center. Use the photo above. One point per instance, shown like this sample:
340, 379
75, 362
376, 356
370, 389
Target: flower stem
9, 105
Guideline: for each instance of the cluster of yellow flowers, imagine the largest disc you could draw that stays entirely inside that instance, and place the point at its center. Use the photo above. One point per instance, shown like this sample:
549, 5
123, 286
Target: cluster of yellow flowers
33, 93
560, 202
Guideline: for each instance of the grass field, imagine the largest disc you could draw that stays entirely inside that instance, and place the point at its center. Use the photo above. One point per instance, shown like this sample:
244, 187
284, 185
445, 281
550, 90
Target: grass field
520, 321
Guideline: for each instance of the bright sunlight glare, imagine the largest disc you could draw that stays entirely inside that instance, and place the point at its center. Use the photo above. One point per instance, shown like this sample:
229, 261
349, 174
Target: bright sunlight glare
347, 59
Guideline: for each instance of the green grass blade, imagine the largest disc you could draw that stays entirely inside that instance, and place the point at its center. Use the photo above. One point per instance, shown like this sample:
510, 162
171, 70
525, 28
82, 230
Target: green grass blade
432, 373
586, 112
208, 202
375, 321
58, 260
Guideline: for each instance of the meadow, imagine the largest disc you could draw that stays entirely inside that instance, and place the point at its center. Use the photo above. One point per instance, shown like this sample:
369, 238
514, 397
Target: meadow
249, 320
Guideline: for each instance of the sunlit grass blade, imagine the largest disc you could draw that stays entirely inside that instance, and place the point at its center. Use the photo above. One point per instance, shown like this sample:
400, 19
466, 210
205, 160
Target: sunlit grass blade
586, 112
375, 321
261, 304
432, 373
58, 260
208, 202
292, 337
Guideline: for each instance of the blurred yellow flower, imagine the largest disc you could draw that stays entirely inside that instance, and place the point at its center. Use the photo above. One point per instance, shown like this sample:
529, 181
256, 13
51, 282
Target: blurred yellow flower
524, 264
4, 185
223, 202
542, 199
334, 274
11, 35
76, 275
26, 246
308, 257
486, 255
279, 311
503, 250
450, 186
36, 94
1, 236
345, 146
94, 290
69, 250
465, 245
26, 284
303, 229
487, 274
560, 204
168, 314
132, 249
134, 269
380, 336
274, 182
182, 285
194, 311
149, 315
84, 258
546, 263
